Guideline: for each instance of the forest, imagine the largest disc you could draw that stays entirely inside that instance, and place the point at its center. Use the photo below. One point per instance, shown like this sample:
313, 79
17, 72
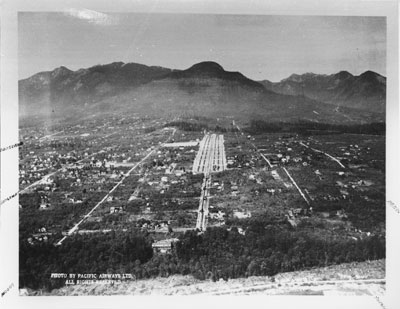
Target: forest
114, 252
307, 128
200, 126
265, 249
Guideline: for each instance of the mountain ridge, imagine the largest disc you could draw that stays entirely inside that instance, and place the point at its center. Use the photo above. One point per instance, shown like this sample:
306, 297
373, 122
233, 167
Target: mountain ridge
204, 88
366, 91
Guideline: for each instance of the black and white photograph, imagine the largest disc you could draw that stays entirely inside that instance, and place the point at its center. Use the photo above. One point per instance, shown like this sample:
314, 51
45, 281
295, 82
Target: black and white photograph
200, 151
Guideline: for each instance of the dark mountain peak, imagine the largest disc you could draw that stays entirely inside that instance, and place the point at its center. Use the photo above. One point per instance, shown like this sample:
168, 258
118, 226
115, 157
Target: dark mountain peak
212, 70
126, 73
106, 68
309, 74
294, 77
133, 65
209, 70
206, 67
61, 71
116, 65
299, 78
343, 75
370, 76
369, 73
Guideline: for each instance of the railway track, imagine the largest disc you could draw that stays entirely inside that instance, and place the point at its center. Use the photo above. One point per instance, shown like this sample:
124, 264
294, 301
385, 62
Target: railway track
209, 159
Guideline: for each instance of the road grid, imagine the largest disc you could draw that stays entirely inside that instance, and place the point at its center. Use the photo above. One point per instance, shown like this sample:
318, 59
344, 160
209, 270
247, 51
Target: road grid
275, 173
75, 228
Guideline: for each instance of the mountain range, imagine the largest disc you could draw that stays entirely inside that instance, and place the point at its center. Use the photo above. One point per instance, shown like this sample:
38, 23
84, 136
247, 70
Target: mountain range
203, 89
366, 91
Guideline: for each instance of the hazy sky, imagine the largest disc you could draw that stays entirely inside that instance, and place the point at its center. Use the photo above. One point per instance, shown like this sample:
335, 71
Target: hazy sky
260, 47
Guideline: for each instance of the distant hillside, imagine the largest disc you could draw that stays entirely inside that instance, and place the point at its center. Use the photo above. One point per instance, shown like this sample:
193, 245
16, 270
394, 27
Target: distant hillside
204, 89
62, 87
366, 91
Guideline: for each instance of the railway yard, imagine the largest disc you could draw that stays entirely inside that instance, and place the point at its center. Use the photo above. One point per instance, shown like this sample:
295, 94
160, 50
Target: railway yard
211, 155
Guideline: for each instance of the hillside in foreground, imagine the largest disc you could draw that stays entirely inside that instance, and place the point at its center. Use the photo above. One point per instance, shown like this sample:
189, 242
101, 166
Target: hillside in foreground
358, 278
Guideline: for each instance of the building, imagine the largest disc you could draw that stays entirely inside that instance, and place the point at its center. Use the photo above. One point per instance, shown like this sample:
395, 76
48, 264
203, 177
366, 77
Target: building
164, 246
242, 214
115, 209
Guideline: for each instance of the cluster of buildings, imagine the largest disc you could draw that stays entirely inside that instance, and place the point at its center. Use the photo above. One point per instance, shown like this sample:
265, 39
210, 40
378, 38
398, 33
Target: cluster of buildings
34, 167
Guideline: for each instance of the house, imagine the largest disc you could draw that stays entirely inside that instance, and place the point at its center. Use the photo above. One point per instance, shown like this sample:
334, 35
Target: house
242, 214
241, 231
217, 215
115, 209
297, 211
275, 175
41, 236
164, 246
344, 193
341, 213
272, 191
44, 205
230, 162
162, 228
365, 183
291, 220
